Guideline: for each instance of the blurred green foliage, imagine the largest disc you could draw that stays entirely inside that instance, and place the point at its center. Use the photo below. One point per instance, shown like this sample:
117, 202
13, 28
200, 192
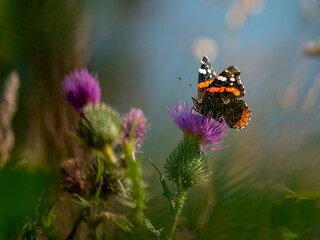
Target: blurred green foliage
20, 189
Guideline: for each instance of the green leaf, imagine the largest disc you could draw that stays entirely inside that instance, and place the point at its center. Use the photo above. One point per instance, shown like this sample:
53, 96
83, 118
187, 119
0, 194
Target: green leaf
166, 191
286, 234
20, 188
304, 195
156, 233
124, 224
120, 220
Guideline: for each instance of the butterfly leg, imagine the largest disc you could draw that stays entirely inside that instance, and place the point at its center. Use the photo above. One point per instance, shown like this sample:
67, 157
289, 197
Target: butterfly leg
195, 105
225, 101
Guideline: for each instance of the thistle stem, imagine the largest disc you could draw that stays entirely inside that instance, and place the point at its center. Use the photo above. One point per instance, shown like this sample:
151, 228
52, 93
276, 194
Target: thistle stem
134, 173
177, 208
109, 152
99, 180
98, 170
97, 233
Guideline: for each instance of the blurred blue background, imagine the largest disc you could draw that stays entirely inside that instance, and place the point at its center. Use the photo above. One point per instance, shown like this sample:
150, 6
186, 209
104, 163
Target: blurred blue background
139, 48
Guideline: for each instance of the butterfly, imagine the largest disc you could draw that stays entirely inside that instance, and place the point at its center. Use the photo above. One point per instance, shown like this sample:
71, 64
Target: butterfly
219, 95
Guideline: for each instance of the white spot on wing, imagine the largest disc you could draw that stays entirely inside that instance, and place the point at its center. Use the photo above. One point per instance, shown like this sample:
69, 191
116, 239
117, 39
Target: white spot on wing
203, 71
222, 78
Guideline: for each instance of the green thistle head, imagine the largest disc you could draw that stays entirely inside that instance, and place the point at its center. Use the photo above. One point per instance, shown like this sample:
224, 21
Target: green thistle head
186, 166
99, 127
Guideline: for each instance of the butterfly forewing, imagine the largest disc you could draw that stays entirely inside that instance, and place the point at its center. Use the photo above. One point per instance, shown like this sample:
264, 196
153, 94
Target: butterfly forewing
205, 77
227, 84
205, 70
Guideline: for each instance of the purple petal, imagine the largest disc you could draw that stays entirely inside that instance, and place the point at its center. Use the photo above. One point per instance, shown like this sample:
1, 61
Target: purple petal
136, 119
209, 131
81, 88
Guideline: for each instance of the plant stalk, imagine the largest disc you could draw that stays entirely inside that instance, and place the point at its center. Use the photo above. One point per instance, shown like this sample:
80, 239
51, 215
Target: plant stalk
99, 179
178, 208
134, 173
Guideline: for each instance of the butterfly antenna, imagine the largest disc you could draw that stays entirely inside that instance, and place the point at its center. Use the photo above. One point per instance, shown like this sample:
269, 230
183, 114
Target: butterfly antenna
189, 86
192, 89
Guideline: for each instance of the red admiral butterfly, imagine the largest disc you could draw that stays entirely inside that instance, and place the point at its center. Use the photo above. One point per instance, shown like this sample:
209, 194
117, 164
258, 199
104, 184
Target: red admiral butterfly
219, 95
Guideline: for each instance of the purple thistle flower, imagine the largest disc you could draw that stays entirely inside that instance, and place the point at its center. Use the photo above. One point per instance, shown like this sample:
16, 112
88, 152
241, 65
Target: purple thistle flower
81, 88
208, 130
136, 119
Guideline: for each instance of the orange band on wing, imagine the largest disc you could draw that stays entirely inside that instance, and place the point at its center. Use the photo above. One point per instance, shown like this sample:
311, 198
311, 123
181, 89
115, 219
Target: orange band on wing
222, 89
205, 84
233, 90
245, 118
213, 90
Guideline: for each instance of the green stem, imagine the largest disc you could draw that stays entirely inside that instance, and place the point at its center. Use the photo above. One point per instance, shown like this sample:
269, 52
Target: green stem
98, 170
51, 215
110, 154
134, 173
97, 233
178, 207
99, 179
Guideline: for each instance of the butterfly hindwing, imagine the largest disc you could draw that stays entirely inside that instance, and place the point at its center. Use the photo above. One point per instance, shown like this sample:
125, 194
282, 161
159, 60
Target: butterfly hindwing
235, 112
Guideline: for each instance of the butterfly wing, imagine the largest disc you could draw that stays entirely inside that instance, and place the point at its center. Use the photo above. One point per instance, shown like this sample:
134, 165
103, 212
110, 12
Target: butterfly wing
205, 77
235, 112
205, 70
227, 84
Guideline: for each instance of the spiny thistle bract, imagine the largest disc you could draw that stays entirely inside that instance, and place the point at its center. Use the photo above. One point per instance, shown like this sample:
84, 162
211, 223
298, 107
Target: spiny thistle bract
99, 127
74, 176
78, 177
185, 165
110, 181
